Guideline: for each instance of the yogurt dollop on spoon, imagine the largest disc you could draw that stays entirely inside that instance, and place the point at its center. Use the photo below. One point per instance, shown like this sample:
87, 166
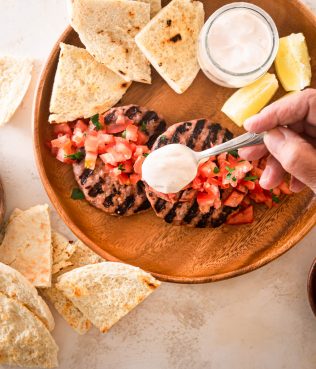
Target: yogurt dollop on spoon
172, 167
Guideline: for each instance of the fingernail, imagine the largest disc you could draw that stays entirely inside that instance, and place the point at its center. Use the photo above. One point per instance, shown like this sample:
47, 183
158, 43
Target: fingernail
265, 177
273, 139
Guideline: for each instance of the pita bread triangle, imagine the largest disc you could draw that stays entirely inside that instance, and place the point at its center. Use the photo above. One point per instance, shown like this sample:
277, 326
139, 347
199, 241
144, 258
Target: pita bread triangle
107, 28
105, 292
83, 87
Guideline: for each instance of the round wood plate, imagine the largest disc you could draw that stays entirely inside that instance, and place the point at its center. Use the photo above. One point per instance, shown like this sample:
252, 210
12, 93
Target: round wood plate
179, 254
2, 204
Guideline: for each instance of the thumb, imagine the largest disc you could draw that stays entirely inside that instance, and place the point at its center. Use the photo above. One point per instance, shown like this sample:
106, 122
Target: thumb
296, 155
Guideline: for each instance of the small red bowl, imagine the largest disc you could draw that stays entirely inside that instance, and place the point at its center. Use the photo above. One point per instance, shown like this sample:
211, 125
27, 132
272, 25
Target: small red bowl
311, 287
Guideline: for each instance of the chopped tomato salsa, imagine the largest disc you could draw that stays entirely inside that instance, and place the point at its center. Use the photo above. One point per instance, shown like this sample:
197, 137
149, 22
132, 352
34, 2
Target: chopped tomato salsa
121, 146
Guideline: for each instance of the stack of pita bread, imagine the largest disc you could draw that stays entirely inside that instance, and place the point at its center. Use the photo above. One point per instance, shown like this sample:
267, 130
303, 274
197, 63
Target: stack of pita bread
121, 40
83, 288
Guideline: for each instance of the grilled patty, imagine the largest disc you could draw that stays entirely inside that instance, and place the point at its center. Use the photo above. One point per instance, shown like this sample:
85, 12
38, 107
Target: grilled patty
106, 192
198, 135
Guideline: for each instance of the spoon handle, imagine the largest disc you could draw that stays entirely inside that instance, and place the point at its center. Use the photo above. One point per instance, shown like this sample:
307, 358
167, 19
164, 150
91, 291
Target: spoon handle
247, 139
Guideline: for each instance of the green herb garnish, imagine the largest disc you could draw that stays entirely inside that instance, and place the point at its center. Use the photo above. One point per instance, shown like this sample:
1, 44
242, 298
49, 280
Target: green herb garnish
162, 139
216, 170
96, 122
275, 199
121, 167
234, 153
143, 126
76, 156
250, 178
77, 194
145, 154
124, 134
228, 176
234, 179
229, 169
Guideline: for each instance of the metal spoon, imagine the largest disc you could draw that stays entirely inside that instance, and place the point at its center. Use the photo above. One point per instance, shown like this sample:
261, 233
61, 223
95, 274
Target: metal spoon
172, 167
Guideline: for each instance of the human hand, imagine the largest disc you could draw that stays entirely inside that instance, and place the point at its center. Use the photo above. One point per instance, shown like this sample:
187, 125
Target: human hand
292, 149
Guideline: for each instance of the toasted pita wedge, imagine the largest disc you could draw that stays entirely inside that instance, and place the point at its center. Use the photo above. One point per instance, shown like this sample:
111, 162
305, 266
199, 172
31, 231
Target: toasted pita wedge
107, 29
67, 310
155, 6
14, 285
83, 87
105, 292
81, 255
27, 247
169, 41
62, 251
15, 78
24, 339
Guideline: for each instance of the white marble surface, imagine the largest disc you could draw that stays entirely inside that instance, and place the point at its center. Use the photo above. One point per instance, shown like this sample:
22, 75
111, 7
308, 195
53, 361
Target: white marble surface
258, 321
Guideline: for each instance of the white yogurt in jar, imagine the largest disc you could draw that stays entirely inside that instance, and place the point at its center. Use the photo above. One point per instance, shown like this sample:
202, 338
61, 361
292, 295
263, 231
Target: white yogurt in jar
237, 45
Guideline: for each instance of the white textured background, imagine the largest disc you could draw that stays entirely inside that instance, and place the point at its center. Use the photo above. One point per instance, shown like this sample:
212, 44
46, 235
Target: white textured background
258, 321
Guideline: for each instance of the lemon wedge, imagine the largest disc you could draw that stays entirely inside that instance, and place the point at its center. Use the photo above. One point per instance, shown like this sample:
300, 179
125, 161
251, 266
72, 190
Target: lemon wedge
249, 100
292, 63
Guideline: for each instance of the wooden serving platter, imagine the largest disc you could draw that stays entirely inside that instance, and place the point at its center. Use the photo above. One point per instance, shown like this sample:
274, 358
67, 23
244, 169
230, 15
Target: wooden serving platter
179, 254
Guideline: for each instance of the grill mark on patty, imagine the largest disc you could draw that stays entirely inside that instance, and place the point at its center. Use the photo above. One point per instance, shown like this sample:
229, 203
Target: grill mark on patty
160, 205
159, 130
203, 222
192, 213
222, 216
96, 189
140, 187
132, 111
108, 202
109, 117
196, 133
180, 130
227, 135
172, 212
144, 206
212, 135
127, 204
85, 175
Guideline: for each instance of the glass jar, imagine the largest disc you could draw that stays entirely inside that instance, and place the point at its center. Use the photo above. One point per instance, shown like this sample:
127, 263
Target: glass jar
223, 44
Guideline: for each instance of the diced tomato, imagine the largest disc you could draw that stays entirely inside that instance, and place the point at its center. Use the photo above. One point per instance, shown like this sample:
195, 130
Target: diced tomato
142, 138
121, 151
140, 150
205, 201
276, 191
61, 142
138, 165
62, 129
284, 187
124, 179
128, 166
234, 199
115, 172
104, 138
91, 144
197, 184
214, 181
131, 132
134, 178
108, 158
250, 185
81, 125
206, 170
257, 172
107, 167
245, 216
63, 152
90, 160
